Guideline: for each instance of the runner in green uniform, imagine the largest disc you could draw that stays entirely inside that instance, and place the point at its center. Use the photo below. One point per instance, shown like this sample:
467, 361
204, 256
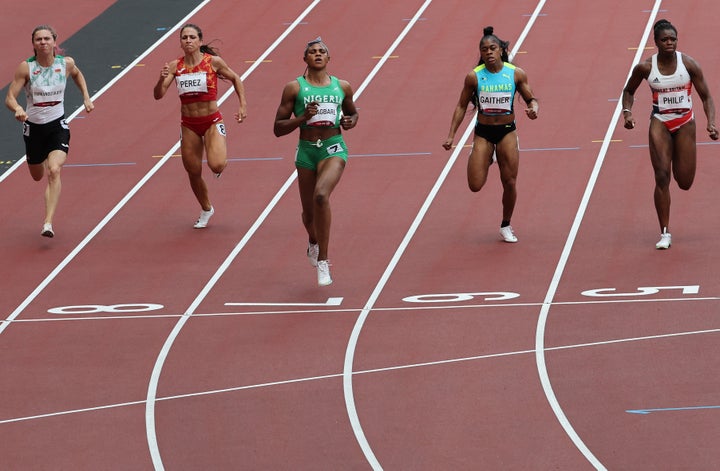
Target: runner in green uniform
320, 105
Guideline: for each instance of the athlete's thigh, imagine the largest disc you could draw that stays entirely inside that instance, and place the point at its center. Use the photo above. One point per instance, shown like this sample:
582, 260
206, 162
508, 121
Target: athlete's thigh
684, 158
191, 150
37, 171
661, 146
479, 160
328, 173
508, 155
216, 144
306, 186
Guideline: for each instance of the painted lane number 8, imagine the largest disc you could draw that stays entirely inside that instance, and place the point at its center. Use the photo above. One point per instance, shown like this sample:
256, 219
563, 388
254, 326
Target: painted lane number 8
101, 308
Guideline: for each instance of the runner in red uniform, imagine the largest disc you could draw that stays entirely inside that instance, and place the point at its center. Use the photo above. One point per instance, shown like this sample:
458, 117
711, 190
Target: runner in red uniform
202, 125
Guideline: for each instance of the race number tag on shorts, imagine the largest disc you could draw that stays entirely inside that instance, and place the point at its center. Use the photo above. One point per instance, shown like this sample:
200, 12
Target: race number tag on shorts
326, 115
674, 101
221, 128
333, 149
26, 129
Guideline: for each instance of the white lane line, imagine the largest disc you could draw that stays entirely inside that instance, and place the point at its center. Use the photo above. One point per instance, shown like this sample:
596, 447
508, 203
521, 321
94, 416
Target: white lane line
157, 369
306, 379
150, 427
152, 389
31, 297
355, 309
116, 78
352, 343
542, 318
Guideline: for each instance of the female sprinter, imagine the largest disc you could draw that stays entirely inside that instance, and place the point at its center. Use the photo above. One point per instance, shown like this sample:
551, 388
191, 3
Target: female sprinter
671, 75
491, 86
46, 134
321, 105
202, 126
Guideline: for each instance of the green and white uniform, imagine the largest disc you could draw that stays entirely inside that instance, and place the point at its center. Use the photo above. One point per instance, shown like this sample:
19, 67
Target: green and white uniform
45, 130
329, 99
45, 91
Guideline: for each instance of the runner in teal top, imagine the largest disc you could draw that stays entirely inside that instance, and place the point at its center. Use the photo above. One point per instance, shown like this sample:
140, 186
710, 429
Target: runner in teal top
321, 106
491, 87
496, 90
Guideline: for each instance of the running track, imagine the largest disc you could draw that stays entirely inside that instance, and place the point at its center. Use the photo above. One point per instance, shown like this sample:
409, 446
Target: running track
132, 341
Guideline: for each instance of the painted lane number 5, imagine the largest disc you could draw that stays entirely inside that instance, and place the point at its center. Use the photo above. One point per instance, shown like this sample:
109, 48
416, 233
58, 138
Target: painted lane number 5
641, 291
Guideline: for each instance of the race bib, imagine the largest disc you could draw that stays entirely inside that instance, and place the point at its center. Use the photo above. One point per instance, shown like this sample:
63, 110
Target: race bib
192, 83
326, 115
669, 102
495, 102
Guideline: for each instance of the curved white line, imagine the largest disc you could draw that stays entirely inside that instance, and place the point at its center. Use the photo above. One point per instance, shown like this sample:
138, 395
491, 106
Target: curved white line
150, 428
31, 297
542, 319
355, 334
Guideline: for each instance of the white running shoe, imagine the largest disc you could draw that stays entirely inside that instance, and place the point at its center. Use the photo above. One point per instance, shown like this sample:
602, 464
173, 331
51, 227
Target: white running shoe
323, 273
47, 230
312, 252
204, 218
665, 241
507, 234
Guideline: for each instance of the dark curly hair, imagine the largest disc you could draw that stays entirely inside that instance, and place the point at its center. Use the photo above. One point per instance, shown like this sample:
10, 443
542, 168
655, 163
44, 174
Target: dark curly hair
489, 35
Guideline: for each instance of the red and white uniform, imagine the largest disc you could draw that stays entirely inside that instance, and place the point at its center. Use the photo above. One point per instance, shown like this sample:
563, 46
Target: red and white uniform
671, 94
198, 83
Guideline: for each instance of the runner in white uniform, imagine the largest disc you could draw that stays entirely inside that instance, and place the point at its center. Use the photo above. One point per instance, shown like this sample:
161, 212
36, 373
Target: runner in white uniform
671, 76
47, 136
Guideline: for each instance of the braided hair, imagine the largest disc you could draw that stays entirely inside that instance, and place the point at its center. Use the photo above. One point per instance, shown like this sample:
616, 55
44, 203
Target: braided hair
489, 35
662, 25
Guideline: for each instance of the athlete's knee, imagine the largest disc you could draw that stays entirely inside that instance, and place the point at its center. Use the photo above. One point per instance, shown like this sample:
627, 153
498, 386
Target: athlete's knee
476, 182
321, 197
217, 167
662, 178
37, 176
195, 176
509, 183
53, 172
685, 183
475, 186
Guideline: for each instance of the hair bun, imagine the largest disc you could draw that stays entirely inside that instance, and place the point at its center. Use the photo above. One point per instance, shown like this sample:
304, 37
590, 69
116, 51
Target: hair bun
488, 30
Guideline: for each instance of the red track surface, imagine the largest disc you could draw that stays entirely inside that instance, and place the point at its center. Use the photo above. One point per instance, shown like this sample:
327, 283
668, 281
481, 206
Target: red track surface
19, 18
443, 385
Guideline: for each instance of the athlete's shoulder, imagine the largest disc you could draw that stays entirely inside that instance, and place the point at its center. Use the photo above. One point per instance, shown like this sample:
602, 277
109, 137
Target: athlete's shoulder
644, 67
